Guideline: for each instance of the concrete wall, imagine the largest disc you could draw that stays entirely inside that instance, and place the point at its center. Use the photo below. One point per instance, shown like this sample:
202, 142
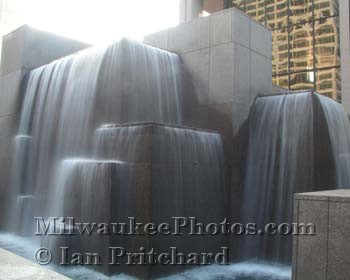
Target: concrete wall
10, 17
324, 256
227, 58
345, 52
23, 49
170, 171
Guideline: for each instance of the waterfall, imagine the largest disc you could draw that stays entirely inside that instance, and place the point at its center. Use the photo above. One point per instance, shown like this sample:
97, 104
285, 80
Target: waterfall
297, 143
101, 140
139, 83
66, 100
281, 138
150, 172
339, 130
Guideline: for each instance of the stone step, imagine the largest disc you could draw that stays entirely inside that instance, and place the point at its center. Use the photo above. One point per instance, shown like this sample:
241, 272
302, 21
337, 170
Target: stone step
15, 267
158, 144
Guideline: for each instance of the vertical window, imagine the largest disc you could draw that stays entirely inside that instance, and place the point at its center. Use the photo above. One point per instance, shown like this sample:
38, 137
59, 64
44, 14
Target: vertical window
326, 8
276, 13
280, 51
306, 42
301, 47
300, 11
327, 42
328, 83
256, 10
281, 81
239, 4
303, 80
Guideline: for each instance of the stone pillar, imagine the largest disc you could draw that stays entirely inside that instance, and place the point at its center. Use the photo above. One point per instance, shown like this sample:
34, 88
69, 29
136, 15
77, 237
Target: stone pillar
325, 255
227, 60
23, 49
345, 52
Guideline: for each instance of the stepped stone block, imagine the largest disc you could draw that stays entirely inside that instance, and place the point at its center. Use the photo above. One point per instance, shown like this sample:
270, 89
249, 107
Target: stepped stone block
227, 62
28, 48
153, 173
325, 254
157, 143
220, 28
227, 58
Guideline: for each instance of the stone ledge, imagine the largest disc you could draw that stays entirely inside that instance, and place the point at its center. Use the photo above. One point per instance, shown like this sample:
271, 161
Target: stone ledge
16, 267
155, 124
331, 196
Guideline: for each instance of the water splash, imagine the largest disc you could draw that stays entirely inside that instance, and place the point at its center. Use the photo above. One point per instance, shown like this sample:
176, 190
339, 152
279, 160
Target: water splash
25, 247
240, 271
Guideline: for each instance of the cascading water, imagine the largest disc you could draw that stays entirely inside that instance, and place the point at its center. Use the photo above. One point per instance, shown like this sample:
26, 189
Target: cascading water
339, 130
281, 137
68, 163
297, 143
56, 114
179, 171
66, 100
139, 83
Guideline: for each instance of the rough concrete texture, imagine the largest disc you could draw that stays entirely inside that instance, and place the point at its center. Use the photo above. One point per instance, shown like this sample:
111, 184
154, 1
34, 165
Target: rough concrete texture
13, 267
326, 254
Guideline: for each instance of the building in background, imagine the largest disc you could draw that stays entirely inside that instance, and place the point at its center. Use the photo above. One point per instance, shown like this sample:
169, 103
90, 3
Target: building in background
306, 42
310, 40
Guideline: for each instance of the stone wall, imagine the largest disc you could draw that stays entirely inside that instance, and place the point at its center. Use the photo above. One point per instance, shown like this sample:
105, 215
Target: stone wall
227, 58
23, 49
324, 256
